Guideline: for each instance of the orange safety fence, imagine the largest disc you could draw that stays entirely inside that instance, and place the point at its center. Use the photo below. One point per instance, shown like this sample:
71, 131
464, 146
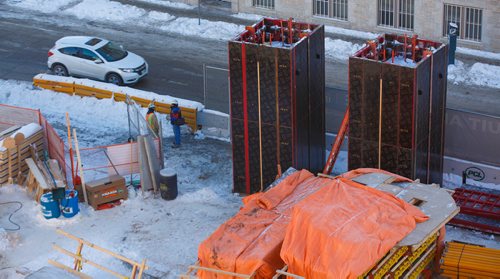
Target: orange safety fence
341, 231
11, 116
102, 161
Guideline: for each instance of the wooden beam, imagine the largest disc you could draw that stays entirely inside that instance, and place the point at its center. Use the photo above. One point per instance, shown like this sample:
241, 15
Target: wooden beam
79, 159
35, 171
74, 272
246, 276
82, 259
92, 245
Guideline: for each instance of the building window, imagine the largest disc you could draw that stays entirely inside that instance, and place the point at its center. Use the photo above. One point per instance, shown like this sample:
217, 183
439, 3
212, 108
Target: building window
266, 4
396, 13
336, 9
469, 21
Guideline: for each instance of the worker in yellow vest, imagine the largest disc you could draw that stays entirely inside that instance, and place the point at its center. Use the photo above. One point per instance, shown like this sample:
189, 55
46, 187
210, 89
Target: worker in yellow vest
152, 120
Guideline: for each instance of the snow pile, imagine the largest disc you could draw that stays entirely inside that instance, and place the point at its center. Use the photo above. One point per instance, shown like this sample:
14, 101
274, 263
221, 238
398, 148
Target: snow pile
198, 135
399, 60
340, 50
160, 16
351, 33
176, 5
104, 10
479, 74
252, 17
452, 181
44, 6
217, 30
478, 53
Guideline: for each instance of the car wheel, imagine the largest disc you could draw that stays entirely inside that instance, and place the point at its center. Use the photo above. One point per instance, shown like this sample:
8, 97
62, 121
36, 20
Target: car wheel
114, 79
60, 70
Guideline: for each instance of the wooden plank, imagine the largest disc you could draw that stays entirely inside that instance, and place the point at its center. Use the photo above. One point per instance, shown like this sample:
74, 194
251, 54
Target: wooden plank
154, 164
80, 167
35, 138
83, 260
436, 203
219, 271
146, 183
92, 245
9, 131
37, 174
74, 272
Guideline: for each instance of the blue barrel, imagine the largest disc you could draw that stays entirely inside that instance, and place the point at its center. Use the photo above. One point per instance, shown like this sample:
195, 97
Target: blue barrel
50, 207
69, 205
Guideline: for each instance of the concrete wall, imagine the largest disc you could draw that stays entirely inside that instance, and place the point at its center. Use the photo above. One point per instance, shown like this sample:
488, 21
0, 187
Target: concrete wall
362, 15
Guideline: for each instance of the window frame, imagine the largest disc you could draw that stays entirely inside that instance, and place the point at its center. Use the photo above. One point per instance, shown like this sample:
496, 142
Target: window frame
269, 4
397, 14
465, 22
331, 9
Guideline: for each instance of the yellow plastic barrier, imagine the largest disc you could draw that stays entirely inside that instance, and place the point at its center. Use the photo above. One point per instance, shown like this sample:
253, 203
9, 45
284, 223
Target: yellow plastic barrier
64, 87
189, 114
87, 91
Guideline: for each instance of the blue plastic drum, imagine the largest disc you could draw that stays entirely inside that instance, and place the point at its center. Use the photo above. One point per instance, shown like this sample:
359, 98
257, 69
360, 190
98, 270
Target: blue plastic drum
50, 207
69, 205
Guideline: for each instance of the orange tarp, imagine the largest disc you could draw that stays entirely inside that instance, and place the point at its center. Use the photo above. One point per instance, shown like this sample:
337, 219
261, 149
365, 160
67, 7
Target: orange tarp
250, 242
342, 230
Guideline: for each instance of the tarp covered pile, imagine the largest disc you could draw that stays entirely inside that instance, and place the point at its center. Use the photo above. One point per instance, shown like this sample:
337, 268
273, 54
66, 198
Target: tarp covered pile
319, 227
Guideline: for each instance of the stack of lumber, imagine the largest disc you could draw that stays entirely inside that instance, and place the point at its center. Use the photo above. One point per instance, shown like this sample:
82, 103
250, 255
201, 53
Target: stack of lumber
462, 260
33, 139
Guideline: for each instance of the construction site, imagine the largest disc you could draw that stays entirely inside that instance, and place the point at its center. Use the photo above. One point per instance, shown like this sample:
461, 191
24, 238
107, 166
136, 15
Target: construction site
85, 197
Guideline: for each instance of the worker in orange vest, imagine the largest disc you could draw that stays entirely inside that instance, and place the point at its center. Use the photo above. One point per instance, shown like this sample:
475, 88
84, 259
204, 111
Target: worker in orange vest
152, 120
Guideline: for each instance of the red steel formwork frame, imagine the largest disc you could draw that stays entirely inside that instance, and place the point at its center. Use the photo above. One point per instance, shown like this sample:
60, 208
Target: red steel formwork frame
479, 204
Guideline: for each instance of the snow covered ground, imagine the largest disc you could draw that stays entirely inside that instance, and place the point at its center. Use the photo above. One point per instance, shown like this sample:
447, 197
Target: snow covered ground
166, 233
478, 74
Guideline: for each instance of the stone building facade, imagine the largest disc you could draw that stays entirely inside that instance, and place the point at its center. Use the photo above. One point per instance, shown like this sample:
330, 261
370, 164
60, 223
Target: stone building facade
478, 20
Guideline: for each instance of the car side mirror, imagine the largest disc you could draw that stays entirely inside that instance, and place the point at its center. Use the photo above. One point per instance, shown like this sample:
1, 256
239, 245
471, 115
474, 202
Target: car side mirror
98, 61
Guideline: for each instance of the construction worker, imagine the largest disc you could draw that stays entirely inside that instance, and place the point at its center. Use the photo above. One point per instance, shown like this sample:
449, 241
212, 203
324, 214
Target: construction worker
177, 121
152, 120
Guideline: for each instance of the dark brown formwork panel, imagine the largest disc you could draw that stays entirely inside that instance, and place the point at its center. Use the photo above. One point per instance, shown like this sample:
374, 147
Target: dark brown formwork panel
436, 143
398, 127
277, 101
317, 101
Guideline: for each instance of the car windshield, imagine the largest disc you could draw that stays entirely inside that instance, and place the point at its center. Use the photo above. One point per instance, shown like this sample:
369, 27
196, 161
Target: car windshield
112, 52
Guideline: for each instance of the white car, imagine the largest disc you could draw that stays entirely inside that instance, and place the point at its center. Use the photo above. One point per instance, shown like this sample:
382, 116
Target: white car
96, 58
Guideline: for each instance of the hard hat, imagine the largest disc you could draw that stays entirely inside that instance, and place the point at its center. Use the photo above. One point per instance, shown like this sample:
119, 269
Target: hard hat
151, 105
174, 102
